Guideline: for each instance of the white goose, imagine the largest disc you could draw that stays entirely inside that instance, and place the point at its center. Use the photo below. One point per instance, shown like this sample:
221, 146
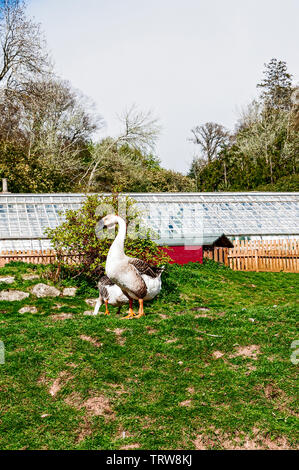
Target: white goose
109, 293
136, 278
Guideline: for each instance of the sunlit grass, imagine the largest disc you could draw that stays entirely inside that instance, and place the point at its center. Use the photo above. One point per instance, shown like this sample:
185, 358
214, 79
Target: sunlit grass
178, 378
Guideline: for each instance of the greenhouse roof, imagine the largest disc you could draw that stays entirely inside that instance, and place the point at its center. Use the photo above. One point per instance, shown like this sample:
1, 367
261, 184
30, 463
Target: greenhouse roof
176, 218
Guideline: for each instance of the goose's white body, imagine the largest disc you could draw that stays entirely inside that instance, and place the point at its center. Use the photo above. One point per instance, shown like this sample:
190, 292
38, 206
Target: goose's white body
121, 271
112, 294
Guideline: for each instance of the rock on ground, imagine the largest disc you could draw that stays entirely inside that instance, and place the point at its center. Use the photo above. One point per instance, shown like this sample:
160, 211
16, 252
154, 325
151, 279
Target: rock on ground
69, 291
43, 290
29, 277
12, 295
91, 302
7, 279
28, 310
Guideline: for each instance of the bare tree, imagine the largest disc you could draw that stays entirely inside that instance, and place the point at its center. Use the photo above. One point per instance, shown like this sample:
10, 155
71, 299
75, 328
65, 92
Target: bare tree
22, 46
210, 137
51, 120
140, 131
248, 115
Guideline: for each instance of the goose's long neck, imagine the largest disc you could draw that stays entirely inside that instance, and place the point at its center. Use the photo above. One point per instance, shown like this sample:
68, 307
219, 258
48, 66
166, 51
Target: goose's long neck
117, 247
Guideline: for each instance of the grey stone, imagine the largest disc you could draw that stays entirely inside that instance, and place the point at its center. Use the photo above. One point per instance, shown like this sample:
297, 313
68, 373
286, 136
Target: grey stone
28, 309
91, 302
7, 279
11, 295
43, 290
69, 291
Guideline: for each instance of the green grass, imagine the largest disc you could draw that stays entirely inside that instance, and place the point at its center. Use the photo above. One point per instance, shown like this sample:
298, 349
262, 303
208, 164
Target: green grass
164, 387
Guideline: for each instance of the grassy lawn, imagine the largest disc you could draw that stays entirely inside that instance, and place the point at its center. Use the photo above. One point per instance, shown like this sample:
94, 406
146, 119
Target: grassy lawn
208, 367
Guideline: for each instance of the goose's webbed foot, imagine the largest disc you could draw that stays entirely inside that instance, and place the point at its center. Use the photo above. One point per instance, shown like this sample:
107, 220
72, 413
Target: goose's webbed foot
141, 311
131, 311
130, 315
106, 311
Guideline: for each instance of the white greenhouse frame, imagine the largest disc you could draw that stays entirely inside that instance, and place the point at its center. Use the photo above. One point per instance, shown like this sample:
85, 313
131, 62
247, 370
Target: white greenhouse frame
176, 218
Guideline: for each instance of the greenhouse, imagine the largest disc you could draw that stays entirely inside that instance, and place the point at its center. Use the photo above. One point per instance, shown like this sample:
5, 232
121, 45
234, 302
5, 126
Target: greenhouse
177, 219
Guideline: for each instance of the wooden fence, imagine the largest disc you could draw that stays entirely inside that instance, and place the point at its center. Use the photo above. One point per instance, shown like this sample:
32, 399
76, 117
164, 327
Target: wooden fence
259, 255
253, 255
36, 257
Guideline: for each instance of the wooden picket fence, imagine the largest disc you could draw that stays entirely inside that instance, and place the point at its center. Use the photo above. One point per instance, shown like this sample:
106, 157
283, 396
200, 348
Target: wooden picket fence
253, 255
37, 257
259, 255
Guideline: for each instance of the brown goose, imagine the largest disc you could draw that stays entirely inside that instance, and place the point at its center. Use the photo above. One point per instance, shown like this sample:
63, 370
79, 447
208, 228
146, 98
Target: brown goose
136, 278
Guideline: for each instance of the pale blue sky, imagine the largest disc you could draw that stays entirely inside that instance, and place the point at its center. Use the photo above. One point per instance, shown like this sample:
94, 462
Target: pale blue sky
189, 61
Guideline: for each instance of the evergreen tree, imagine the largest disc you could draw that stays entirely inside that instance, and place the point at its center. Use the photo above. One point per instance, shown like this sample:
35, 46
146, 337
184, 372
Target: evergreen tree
276, 87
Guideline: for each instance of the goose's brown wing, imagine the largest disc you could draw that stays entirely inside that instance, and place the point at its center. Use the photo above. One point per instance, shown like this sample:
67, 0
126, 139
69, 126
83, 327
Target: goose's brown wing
105, 281
102, 284
144, 268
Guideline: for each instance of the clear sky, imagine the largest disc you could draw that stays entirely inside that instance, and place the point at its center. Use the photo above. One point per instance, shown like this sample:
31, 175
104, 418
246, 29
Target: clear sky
189, 61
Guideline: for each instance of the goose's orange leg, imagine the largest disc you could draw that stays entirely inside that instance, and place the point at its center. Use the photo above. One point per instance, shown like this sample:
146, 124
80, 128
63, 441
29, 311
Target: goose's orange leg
141, 311
106, 311
131, 311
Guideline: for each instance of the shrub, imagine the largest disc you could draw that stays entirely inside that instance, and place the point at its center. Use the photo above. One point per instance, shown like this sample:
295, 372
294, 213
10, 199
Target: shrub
77, 235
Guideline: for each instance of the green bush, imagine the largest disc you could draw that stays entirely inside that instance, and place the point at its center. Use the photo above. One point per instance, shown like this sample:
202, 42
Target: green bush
77, 235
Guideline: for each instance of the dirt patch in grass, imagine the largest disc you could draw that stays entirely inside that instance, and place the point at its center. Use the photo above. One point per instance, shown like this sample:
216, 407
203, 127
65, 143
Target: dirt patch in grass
163, 316
119, 338
172, 340
194, 309
85, 429
219, 314
91, 340
74, 400
62, 316
186, 403
241, 441
191, 390
93, 406
130, 446
58, 383
217, 354
250, 368
277, 397
98, 406
57, 306
211, 315
151, 331
250, 351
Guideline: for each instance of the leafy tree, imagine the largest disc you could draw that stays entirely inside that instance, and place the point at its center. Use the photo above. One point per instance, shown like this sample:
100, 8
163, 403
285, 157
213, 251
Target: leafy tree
265, 146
